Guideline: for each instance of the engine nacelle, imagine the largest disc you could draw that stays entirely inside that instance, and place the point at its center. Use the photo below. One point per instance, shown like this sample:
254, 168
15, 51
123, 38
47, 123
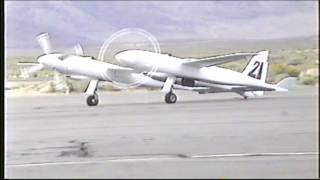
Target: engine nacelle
158, 76
187, 82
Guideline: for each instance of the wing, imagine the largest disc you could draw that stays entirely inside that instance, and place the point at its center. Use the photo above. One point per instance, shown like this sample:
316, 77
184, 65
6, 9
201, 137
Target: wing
27, 63
217, 60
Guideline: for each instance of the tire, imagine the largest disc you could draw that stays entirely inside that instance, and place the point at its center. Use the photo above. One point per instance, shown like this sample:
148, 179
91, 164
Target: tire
93, 100
170, 98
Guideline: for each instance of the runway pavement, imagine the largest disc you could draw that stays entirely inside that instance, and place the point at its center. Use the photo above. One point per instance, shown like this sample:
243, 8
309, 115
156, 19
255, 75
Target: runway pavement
137, 135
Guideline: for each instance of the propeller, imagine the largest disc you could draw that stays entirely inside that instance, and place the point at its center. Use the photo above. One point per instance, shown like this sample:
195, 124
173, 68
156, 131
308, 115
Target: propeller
60, 82
35, 69
78, 49
44, 42
26, 72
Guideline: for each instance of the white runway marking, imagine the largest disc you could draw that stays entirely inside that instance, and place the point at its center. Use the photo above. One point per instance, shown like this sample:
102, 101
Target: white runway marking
164, 158
254, 154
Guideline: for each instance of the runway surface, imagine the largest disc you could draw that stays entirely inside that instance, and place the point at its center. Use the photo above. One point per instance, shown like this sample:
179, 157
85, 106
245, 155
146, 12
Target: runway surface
137, 135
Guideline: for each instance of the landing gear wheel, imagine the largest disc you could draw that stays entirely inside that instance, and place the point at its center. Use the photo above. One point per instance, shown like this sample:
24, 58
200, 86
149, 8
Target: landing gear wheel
245, 97
170, 98
93, 100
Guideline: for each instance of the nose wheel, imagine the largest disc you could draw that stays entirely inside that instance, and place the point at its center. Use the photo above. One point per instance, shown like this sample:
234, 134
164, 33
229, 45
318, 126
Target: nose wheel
93, 100
170, 98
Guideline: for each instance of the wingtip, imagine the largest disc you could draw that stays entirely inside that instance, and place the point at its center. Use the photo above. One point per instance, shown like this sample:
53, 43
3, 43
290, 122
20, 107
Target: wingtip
265, 52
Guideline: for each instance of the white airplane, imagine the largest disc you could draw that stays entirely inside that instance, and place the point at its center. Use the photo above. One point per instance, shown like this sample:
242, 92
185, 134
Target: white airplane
177, 74
202, 75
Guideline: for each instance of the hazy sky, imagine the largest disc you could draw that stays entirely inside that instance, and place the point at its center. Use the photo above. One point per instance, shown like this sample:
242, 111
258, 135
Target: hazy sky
92, 22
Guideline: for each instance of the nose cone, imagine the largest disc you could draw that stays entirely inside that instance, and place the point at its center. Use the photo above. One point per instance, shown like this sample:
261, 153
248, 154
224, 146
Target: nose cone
49, 59
42, 59
124, 57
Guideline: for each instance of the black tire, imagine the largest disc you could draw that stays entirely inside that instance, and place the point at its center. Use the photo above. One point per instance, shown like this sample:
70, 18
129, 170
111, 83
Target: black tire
93, 100
170, 98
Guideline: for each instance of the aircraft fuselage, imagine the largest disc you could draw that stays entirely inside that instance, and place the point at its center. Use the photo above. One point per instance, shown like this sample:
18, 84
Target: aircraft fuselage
146, 61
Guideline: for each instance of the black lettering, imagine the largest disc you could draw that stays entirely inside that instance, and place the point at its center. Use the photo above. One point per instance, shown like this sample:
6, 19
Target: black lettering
251, 73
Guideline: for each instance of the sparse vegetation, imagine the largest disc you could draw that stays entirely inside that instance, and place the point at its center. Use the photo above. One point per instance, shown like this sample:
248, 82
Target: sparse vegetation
296, 62
77, 85
292, 71
278, 69
276, 78
283, 63
308, 80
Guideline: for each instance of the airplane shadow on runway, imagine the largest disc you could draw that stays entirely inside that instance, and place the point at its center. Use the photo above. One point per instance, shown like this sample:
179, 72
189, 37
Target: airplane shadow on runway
160, 103
181, 102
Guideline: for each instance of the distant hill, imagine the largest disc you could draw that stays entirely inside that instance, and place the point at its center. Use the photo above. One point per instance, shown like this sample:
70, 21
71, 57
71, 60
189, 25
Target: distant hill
187, 47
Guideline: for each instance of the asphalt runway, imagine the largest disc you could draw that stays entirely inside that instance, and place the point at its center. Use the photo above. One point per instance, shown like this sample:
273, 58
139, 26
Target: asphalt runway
137, 135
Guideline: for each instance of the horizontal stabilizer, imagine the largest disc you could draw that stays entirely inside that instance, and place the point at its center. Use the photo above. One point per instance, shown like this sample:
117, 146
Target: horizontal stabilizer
287, 82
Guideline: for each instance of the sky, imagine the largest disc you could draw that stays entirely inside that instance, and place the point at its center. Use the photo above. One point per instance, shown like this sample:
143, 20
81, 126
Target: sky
92, 22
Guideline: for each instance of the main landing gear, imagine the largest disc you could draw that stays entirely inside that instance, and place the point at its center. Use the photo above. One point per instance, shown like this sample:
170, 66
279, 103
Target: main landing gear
170, 98
92, 98
243, 94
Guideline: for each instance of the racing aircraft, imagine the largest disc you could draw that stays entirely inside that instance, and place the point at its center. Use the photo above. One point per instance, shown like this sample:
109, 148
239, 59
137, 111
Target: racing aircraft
183, 74
203, 75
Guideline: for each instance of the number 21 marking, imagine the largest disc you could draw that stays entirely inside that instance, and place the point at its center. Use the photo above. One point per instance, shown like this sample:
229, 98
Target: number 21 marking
252, 72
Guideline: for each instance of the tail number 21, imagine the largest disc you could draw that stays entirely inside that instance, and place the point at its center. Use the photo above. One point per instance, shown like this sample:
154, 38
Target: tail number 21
257, 65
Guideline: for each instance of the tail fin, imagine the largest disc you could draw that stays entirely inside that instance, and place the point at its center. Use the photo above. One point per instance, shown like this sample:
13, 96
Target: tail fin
257, 68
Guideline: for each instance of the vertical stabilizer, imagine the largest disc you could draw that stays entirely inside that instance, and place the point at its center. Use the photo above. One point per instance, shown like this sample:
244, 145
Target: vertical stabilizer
257, 68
